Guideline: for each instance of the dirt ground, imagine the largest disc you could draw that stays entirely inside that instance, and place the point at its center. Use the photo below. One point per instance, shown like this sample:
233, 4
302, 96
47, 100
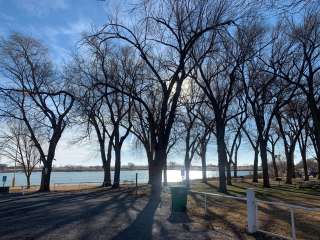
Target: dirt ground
97, 214
104, 213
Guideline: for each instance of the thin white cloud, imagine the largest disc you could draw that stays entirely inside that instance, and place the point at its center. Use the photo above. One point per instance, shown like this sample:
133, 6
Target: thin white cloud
6, 18
74, 29
55, 37
41, 7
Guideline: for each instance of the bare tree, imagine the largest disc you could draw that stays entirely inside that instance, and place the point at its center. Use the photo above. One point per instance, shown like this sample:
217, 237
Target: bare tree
17, 146
33, 93
206, 128
218, 76
235, 135
297, 55
266, 93
290, 130
303, 141
172, 27
306, 40
190, 102
252, 136
92, 112
274, 137
140, 129
115, 67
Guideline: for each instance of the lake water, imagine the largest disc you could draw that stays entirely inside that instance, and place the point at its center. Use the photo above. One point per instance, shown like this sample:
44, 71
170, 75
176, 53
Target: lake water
97, 176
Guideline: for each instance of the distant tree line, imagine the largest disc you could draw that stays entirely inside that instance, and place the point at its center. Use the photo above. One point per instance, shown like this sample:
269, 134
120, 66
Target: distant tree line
180, 73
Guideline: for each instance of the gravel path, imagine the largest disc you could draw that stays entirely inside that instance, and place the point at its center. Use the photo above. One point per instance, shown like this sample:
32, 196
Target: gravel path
96, 214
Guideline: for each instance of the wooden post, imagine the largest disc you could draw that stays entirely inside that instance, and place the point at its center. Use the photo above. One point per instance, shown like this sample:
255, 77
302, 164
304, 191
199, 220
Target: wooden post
293, 227
251, 211
137, 184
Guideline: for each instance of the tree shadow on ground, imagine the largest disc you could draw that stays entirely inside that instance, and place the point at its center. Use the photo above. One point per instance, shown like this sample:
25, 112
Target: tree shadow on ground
231, 192
212, 186
307, 190
286, 193
30, 202
215, 218
41, 215
141, 228
179, 217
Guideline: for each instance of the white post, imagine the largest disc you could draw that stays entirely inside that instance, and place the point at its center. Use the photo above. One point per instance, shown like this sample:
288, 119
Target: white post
251, 211
293, 227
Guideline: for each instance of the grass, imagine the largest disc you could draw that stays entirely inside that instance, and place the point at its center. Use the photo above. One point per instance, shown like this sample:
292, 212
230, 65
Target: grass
231, 214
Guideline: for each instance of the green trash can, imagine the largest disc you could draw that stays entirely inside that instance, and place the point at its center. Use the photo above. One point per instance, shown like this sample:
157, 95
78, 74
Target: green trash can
179, 195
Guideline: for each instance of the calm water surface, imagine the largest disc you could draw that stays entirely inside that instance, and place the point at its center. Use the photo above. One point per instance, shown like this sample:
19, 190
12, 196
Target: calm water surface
97, 176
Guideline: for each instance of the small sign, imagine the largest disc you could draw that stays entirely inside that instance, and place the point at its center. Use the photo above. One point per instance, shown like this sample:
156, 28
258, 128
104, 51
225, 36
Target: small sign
4, 179
182, 172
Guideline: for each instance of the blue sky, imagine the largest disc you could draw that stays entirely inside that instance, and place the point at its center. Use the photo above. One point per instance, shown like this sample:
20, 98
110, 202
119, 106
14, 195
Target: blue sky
59, 24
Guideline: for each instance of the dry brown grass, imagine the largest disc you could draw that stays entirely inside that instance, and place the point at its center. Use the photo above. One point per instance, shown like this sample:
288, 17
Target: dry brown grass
231, 214
59, 188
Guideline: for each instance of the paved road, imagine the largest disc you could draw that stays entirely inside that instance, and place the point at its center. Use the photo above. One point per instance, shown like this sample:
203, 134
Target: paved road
95, 214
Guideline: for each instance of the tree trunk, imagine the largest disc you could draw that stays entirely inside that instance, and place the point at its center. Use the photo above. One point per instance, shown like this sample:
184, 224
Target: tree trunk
187, 163
107, 178
318, 168
105, 164
255, 165
165, 178
187, 157
28, 181
303, 152
293, 166
235, 165
228, 168
160, 156
187, 168
274, 163
222, 157
45, 178
117, 167
316, 145
203, 162
150, 172
149, 157
290, 167
315, 113
47, 162
156, 181
264, 161
156, 173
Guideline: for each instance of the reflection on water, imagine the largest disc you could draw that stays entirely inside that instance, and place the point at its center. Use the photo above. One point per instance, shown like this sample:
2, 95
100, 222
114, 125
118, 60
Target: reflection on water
97, 176
175, 175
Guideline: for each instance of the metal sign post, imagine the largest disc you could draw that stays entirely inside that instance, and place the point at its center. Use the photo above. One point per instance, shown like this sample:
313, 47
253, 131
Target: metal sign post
182, 172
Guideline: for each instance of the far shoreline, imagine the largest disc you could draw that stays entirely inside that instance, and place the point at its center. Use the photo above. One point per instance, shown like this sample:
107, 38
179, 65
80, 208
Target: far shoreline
124, 168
